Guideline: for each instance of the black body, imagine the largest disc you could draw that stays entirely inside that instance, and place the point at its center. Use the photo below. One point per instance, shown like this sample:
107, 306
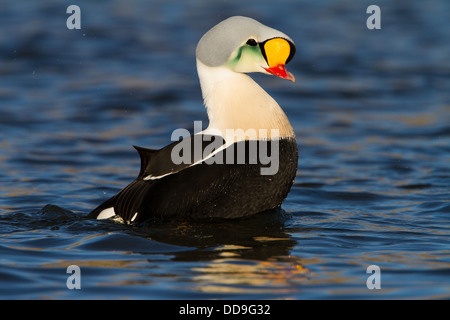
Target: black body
201, 189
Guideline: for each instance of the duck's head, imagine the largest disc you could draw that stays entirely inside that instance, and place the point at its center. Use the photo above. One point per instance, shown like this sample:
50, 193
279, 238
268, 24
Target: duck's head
244, 45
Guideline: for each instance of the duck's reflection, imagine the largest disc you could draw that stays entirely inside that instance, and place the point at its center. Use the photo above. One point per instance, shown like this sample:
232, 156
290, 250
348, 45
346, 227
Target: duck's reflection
246, 256
249, 256
260, 237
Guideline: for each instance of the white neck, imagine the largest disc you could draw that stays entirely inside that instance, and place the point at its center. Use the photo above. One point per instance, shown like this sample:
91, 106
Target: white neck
235, 102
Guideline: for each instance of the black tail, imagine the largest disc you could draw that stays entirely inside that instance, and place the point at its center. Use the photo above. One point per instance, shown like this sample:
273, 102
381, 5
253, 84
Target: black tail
128, 201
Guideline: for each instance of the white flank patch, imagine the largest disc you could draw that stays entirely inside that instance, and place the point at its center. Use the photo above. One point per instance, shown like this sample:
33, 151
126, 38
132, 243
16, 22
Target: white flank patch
107, 213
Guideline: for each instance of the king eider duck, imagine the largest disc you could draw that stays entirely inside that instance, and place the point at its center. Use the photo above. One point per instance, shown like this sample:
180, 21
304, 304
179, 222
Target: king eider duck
245, 161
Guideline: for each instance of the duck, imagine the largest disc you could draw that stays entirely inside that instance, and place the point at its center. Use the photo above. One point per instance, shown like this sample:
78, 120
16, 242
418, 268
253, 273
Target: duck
245, 161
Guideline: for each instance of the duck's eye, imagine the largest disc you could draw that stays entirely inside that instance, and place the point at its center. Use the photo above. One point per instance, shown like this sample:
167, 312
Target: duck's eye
252, 42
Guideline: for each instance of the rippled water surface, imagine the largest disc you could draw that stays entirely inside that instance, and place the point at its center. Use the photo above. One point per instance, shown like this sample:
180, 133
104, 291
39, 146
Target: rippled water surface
370, 108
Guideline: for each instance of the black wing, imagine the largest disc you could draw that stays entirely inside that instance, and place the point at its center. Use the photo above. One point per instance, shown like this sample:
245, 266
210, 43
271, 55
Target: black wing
155, 165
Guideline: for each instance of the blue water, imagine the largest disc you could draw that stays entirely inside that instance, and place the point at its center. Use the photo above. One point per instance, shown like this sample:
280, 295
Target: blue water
370, 108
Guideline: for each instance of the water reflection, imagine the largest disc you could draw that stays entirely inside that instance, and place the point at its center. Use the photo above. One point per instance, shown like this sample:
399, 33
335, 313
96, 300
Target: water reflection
252, 256
249, 256
260, 237
257, 277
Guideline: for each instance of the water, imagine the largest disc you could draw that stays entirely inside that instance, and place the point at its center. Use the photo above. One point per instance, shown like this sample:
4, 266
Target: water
371, 110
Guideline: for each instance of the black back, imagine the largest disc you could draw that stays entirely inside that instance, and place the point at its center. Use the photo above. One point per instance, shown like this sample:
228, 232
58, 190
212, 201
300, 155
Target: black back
230, 184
